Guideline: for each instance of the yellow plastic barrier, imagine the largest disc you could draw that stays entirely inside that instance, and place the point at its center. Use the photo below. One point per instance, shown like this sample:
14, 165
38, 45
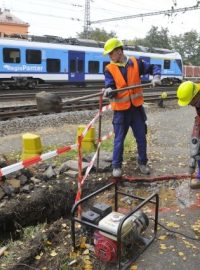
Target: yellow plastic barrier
88, 142
31, 144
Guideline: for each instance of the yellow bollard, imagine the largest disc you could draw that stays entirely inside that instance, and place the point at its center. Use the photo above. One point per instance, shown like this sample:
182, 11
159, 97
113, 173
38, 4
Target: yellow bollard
88, 142
163, 95
161, 101
31, 145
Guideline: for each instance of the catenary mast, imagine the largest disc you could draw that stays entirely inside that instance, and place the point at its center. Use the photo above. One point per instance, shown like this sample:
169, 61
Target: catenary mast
87, 18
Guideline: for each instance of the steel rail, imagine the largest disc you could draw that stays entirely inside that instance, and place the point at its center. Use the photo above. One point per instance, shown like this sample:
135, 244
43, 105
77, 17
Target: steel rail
31, 110
66, 93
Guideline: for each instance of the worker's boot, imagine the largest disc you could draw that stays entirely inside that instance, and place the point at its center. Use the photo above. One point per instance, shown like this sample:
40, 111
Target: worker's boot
117, 172
195, 184
144, 169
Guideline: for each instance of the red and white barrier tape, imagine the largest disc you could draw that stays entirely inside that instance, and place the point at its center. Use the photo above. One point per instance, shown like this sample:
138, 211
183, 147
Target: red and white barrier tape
105, 137
34, 160
78, 194
105, 108
31, 161
91, 164
80, 178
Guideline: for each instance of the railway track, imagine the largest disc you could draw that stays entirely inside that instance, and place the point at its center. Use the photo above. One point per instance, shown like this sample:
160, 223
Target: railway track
21, 95
64, 90
7, 113
67, 93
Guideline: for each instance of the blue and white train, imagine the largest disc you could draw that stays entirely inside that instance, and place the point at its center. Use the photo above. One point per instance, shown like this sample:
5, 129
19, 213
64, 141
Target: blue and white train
25, 63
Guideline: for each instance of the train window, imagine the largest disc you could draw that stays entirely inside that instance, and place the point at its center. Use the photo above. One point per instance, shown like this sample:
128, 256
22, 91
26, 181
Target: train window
80, 66
72, 65
11, 55
33, 57
179, 63
167, 64
104, 65
93, 67
53, 65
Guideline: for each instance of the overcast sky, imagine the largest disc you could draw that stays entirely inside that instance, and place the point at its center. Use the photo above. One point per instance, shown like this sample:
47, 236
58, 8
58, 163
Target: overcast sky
66, 17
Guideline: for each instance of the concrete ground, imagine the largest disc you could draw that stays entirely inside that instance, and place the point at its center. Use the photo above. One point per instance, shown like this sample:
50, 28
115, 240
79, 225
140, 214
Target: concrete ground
175, 251
180, 208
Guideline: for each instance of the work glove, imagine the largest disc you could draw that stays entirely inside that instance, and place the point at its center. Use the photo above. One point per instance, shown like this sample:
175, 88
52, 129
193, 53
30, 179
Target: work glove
156, 80
107, 92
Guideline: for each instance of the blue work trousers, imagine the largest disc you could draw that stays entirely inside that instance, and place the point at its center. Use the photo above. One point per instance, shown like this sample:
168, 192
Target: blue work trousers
198, 173
134, 117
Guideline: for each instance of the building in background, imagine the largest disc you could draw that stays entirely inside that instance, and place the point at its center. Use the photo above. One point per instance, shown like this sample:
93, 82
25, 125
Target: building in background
9, 24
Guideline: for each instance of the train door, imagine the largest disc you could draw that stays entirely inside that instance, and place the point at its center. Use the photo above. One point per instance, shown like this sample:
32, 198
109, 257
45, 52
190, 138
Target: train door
145, 78
76, 66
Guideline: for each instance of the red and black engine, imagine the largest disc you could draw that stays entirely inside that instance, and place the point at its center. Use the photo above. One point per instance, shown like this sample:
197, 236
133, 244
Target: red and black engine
108, 221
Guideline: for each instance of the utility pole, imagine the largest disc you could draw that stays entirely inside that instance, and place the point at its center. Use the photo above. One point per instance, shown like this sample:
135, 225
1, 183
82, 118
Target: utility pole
87, 18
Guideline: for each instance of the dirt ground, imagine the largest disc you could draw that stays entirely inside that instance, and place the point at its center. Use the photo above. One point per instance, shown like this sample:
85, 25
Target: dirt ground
48, 245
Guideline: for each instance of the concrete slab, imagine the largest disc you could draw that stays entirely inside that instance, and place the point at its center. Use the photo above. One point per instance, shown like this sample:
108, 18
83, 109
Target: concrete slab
175, 251
72, 173
73, 165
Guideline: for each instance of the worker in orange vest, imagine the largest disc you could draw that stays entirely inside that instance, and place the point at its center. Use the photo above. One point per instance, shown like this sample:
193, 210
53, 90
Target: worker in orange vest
127, 105
188, 93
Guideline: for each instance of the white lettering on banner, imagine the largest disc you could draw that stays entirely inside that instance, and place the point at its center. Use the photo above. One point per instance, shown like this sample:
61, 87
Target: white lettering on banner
169, 71
23, 68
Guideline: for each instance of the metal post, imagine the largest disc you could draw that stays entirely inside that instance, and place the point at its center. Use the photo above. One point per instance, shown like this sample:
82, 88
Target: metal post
73, 236
116, 194
79, 171
156, 214
99, 130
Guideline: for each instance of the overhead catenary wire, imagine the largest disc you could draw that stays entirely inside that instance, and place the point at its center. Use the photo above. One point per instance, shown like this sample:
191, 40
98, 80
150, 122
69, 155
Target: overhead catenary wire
48, 15
61, 7
162, 12
121, 5
49, 4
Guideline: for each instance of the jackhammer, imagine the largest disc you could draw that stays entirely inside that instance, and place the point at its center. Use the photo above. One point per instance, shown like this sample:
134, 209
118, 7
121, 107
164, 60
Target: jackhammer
195, 147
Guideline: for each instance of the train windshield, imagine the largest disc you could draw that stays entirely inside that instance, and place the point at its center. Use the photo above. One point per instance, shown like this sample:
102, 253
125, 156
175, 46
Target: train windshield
179, 63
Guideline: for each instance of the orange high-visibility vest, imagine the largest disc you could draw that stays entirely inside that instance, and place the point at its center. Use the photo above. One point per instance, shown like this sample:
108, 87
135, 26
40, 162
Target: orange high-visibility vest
124, 99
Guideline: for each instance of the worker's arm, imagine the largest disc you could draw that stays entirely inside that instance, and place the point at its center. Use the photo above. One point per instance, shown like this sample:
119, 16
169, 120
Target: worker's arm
109, 83
146, 68
155, 70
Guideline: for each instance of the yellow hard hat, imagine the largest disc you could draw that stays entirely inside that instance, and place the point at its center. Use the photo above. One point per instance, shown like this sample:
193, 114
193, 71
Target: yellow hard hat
186, 92
112, 44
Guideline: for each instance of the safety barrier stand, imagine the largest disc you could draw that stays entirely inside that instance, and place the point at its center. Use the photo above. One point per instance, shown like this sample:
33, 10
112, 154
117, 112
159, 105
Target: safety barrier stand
81, 178
78, 195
